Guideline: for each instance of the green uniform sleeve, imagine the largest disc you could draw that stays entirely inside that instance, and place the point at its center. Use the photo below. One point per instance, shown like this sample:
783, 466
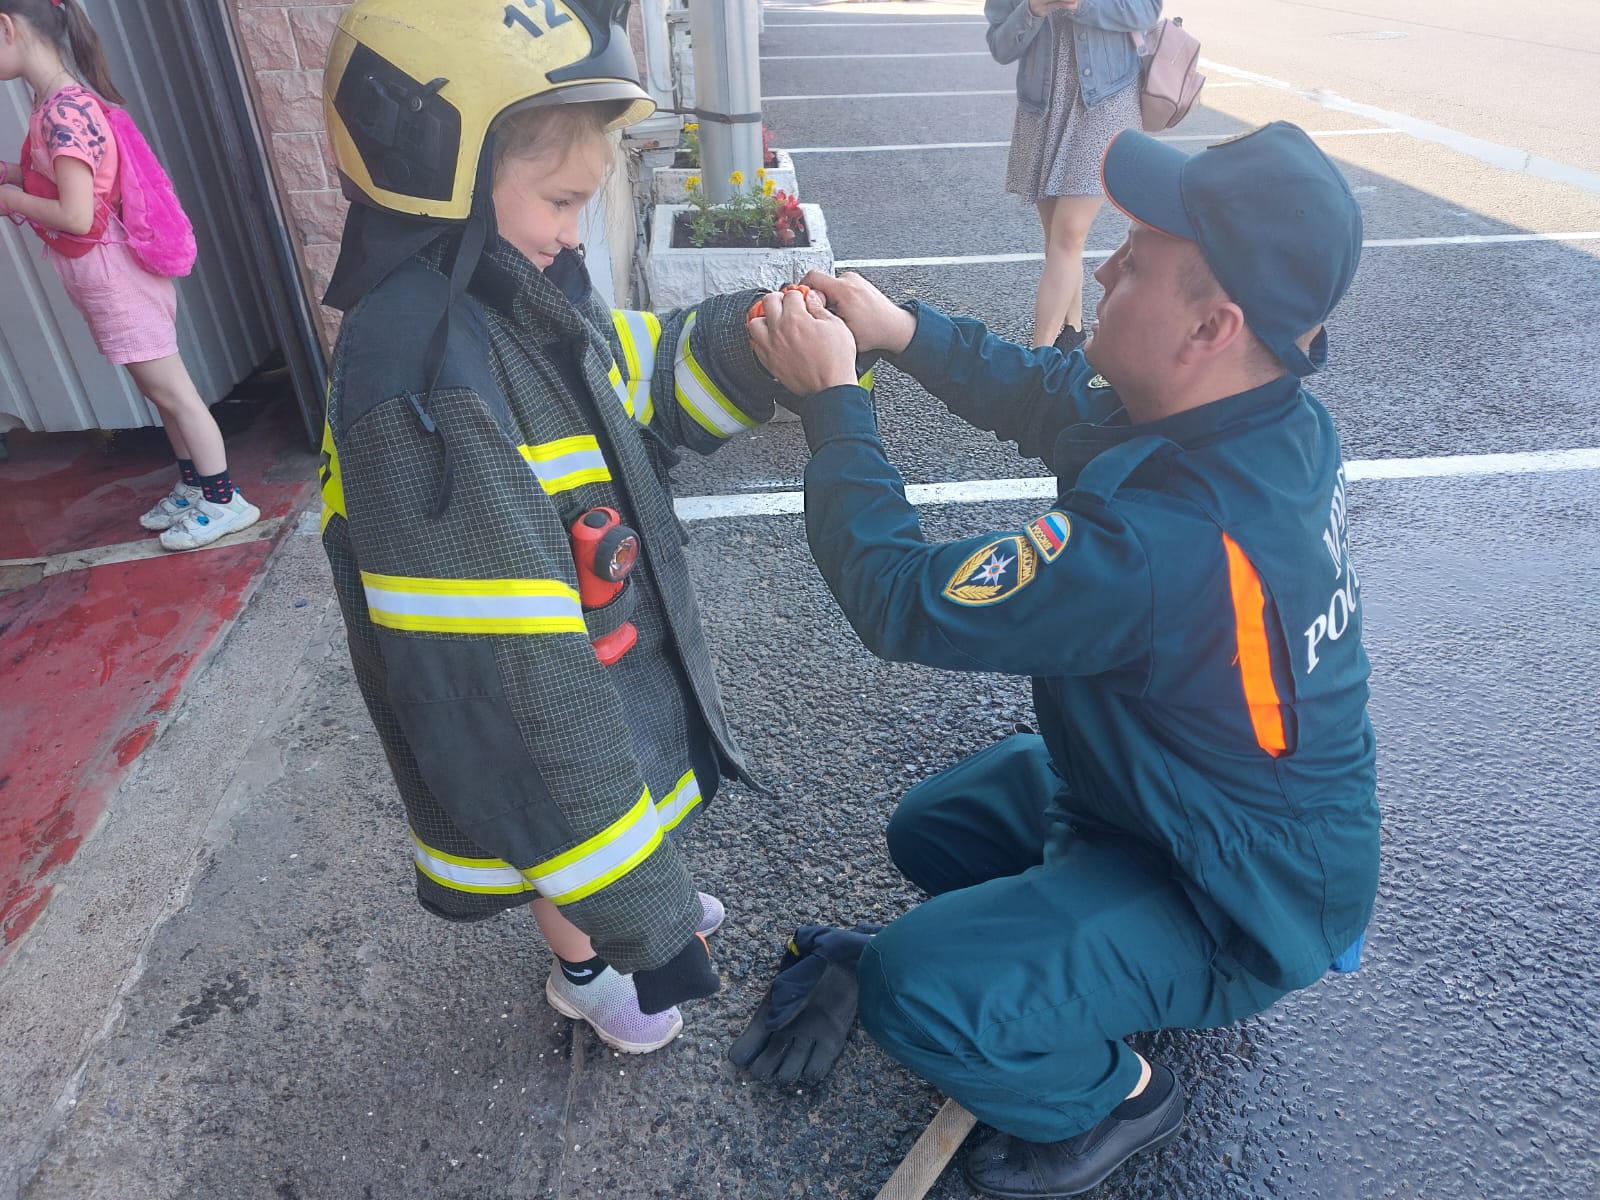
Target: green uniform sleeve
1065, 593
1021, 395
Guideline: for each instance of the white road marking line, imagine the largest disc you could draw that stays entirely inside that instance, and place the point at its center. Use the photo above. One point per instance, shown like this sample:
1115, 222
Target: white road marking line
1165, 137
833, 57
981, 491
956, 24
150, 547
897, 149
1481, 239
1508, 158
890, 95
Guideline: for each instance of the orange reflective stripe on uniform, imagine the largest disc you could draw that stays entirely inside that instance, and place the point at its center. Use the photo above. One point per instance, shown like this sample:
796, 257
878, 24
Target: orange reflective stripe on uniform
1255, 658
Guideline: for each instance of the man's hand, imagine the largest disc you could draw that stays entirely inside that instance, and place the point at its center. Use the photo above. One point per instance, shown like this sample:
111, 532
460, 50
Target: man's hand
805, 347
877, 322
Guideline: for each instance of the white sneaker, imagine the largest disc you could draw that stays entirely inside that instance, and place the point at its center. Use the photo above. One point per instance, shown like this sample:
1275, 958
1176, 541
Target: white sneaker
711, 915
611, 1006
174, 506
206, 522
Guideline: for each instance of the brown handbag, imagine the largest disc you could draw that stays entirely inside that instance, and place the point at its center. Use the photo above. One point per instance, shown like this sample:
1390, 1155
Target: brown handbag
1169, 82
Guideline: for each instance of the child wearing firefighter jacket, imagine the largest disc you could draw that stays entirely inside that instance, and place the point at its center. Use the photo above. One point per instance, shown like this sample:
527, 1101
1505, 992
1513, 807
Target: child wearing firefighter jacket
483, 402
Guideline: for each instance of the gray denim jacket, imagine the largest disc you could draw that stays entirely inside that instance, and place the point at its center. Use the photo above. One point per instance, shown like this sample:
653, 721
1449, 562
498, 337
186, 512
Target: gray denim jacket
1107, 60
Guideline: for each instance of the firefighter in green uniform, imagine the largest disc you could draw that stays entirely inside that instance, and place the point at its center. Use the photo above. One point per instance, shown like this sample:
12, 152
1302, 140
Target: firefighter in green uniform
1194, 831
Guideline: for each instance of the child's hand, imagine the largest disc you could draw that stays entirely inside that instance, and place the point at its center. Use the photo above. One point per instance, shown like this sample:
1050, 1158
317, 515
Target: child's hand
9, 195
805, 347
876, 321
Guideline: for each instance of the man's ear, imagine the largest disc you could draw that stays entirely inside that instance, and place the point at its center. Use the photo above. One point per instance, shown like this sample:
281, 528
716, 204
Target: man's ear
1221, 326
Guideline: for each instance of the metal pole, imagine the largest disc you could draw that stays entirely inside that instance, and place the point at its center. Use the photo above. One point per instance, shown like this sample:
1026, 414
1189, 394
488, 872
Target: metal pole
727, 79
658, 58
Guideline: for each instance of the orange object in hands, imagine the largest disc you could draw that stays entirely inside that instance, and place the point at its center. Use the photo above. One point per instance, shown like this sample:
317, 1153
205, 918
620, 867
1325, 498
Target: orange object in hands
605, 551
758, 309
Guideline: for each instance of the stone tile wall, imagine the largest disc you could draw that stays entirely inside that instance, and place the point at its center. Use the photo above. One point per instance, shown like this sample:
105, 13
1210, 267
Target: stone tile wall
285, 45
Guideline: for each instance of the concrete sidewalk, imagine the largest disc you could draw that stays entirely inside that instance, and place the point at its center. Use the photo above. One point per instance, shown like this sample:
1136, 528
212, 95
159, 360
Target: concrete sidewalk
236, 996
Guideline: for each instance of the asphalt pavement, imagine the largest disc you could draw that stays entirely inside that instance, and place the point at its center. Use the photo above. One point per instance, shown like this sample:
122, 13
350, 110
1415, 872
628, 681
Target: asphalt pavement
296, 1029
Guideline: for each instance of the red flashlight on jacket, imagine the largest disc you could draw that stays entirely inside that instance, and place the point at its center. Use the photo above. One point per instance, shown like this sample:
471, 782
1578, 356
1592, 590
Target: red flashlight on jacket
605, 551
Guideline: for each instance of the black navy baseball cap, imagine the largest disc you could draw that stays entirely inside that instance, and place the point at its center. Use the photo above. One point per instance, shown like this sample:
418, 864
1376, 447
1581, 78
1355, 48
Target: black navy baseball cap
1272, 215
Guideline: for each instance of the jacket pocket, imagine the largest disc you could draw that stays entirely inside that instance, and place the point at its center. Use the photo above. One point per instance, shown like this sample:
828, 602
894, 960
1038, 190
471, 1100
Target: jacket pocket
453, 711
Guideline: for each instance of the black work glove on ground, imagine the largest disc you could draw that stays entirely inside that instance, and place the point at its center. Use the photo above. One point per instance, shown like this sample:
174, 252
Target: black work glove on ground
800, 1027
687, 975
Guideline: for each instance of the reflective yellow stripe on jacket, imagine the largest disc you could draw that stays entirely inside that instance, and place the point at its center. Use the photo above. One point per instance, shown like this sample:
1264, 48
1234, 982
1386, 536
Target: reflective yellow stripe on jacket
576, 873
638, 333
567, 463
685, 796
701, 398
479, 606
328, 478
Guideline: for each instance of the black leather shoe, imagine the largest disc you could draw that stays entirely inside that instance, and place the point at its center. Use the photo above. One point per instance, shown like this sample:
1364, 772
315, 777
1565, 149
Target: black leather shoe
1012, 1169
1069, 339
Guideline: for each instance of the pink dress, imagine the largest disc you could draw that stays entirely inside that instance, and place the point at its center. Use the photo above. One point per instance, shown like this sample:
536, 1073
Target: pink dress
131, 313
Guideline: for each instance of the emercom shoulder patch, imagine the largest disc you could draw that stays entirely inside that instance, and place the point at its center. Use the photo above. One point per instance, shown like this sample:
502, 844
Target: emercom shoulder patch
1050, 533
1098, 382
1000, 569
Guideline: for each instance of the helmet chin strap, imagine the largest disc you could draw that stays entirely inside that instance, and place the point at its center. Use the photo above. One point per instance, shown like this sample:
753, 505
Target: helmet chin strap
476, 233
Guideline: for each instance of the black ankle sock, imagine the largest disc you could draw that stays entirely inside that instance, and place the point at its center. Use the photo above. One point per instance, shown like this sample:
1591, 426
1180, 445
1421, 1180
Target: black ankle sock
1146, 1102
187, 473
582, 973
216, 488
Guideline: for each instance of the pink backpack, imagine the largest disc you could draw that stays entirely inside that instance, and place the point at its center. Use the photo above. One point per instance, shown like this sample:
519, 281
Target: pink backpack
159, 232
1169, 82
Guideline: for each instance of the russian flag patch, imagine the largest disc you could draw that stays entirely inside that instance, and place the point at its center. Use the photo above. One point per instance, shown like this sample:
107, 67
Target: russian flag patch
1050, 533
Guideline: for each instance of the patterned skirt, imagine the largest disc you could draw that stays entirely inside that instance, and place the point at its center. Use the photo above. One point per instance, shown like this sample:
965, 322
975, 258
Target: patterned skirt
1058, 152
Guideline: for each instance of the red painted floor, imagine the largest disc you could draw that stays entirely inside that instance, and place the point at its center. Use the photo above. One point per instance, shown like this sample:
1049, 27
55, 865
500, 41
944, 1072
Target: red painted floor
91, 660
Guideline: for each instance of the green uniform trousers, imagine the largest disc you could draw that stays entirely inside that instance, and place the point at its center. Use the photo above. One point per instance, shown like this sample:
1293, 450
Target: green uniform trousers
1042, 947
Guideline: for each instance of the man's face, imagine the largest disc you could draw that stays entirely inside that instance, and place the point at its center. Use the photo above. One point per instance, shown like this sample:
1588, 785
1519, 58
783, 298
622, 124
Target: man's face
537, 201
1147, 311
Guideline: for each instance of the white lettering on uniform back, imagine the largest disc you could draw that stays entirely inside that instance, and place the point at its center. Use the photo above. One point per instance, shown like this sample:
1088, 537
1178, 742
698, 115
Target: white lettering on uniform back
1343, 604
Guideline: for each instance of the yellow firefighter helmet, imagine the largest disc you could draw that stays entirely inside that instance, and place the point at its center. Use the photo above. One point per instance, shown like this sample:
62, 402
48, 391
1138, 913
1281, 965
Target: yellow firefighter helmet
413, 87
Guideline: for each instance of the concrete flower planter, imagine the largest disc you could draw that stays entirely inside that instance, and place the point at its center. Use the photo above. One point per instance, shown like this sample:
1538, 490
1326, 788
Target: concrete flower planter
681, 277
667, 183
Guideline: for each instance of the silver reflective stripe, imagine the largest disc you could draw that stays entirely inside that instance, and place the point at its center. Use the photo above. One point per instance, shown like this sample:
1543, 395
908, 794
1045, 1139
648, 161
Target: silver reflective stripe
699, 396
639, 332
467, 874
566, 464
676, 806
477, 607
601, 860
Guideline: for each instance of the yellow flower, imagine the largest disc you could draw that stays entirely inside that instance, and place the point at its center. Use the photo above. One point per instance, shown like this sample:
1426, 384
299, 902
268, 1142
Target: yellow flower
761, 172
692, 126
692, 184
767, 186
737, 179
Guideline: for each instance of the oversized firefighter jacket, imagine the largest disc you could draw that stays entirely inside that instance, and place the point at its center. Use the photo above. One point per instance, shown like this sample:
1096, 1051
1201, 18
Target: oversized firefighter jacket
526, 766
